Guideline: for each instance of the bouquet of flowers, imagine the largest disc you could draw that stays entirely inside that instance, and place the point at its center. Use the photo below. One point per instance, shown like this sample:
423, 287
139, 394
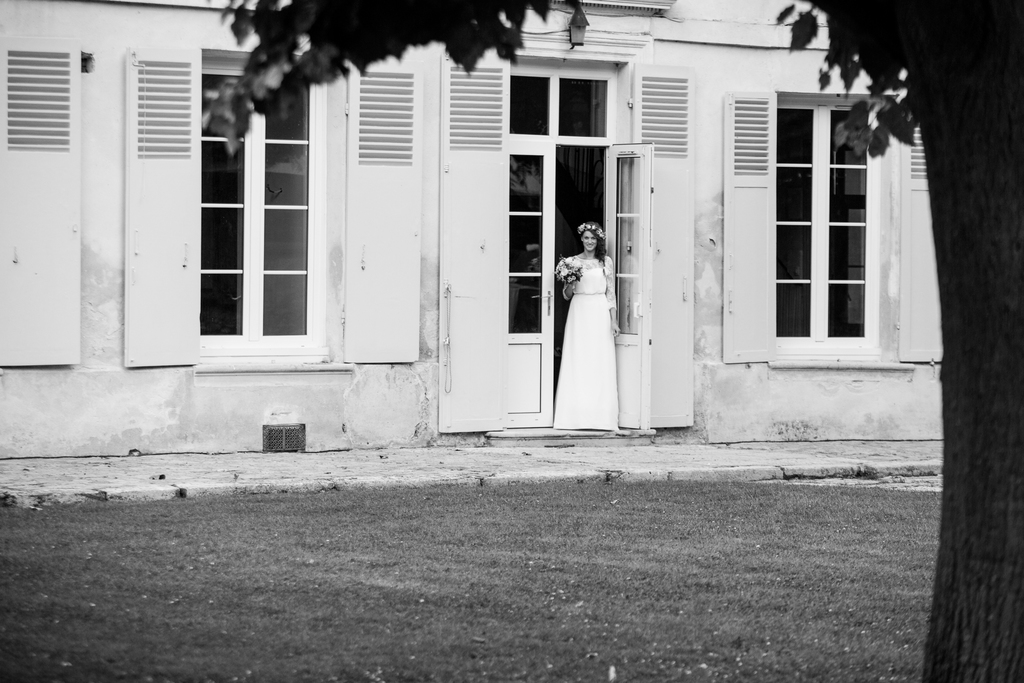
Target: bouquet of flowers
568, 270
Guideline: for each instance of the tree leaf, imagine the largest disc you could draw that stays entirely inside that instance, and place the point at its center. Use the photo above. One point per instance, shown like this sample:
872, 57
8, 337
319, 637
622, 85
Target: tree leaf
879, 140
898, 119
805, 29
785, 14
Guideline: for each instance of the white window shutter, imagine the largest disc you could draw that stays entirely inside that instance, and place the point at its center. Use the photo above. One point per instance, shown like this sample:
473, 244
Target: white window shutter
748, 333
40, 202
384, 214
920, 317
474, 247
662, 115
162, 239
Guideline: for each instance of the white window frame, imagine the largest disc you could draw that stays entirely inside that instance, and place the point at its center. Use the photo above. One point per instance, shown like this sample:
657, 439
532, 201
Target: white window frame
819, 346
252, 346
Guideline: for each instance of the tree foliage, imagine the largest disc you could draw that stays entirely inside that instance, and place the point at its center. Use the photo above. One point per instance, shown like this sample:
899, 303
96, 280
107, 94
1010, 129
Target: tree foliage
855, 50
306, 42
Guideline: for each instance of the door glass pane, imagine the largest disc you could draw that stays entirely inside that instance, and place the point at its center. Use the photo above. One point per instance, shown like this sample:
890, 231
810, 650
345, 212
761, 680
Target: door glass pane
796, 136
844, 154
524, 244
627, 256
628, 297
286, 174
526, 182
582, 107
524, 305
222, 239
793, 200
846, 252
627, 185
284, 304
284, 246
848, 195
793, 252
846, 310
528, 105
793, 310
223, 173
220, 306
292, 126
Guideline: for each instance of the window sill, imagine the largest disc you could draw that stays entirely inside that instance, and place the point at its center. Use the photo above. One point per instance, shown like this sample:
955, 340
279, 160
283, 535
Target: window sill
210, 374
857, 371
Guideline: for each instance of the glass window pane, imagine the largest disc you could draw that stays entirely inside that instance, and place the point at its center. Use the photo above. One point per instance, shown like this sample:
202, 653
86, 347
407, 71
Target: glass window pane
845, 310
793, 310
627, 185
220, 304
284, 246
222, 239
582, 105
628, 295
627, 256
844, 154
796, 136
846, 246
528, 100
524, 305
794, 194
848, 195
793, 252
284, 304
526, 182
223, 174
294, 125
286, 174
524, 244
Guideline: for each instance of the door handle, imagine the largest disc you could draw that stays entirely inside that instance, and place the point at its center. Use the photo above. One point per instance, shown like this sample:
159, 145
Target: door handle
544, 296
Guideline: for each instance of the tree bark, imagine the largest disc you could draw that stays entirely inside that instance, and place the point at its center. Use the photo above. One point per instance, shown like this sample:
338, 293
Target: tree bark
967, 84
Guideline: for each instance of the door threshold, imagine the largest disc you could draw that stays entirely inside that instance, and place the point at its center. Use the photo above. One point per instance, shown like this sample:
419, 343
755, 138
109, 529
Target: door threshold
561, 438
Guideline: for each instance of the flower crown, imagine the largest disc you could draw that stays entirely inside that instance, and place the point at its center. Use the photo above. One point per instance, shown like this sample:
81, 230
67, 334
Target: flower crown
592, 227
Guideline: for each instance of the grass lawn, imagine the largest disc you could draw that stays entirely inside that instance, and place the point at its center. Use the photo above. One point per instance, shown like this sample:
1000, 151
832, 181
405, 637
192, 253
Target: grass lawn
664, 581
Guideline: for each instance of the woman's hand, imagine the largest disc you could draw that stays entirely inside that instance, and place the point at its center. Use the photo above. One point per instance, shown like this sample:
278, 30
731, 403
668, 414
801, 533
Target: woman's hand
615, 322
568, 289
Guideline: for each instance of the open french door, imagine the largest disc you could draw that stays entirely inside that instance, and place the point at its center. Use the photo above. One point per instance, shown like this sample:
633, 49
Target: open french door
630, 178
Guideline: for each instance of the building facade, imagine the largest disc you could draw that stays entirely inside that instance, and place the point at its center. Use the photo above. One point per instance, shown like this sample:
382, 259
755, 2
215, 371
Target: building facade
376, 267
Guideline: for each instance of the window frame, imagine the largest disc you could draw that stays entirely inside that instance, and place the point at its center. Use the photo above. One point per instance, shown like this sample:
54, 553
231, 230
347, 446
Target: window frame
819, 346
252, 345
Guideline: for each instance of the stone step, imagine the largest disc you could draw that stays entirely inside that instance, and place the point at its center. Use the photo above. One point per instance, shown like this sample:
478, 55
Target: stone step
563, 438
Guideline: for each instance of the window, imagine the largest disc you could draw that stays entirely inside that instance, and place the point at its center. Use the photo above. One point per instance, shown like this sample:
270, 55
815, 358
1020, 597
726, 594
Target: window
260, 280
826, 243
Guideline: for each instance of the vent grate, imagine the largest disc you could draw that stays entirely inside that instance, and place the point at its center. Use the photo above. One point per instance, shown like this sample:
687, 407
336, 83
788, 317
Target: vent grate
284, 438
165, 110
918, 168
38, 101
664, 116
386, 119
752, 135
477, 109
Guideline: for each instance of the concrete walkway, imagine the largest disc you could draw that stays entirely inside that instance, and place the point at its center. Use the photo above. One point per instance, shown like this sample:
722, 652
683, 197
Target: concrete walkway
40, 481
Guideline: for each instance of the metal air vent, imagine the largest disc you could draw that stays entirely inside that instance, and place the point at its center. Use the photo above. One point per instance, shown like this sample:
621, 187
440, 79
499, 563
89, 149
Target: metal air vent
284, 438
750, 144
664, 118
918, 169
477, 109
165, 110
386, 119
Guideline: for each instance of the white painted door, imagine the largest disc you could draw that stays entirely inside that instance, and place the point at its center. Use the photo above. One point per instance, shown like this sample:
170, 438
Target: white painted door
531, 285
629, 176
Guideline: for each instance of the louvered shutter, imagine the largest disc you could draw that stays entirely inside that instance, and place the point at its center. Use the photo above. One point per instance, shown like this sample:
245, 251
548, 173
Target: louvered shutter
749, 278
474, 247
662, 113
384, 215
162, 239
40, 202
920, 316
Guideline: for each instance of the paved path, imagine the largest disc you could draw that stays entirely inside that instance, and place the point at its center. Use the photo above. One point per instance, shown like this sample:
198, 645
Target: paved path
39, 481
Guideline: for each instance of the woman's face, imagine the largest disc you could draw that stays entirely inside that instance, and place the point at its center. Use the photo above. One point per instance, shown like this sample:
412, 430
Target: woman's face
589, 240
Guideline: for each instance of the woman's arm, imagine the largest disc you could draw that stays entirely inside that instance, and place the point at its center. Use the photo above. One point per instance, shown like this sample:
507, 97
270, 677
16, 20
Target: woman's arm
609, 293
568, 289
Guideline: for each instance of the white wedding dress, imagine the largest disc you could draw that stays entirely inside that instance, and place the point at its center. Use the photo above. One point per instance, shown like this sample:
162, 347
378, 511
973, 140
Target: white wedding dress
587, 397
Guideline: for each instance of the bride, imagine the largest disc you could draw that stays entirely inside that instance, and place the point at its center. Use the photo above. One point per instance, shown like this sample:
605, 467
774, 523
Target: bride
587, 397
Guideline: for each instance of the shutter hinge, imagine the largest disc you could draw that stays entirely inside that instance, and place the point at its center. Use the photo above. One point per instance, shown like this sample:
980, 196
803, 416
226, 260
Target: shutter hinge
446, 168
346, 109
629, 103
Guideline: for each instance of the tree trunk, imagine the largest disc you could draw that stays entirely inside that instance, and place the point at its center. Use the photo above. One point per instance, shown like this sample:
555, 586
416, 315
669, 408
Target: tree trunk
965, 60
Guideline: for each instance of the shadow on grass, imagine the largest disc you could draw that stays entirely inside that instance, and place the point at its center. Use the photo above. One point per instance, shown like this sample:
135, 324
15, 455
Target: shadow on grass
665, 581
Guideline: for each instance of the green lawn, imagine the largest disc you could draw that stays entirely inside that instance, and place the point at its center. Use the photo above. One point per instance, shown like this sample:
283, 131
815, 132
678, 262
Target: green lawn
665, 581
